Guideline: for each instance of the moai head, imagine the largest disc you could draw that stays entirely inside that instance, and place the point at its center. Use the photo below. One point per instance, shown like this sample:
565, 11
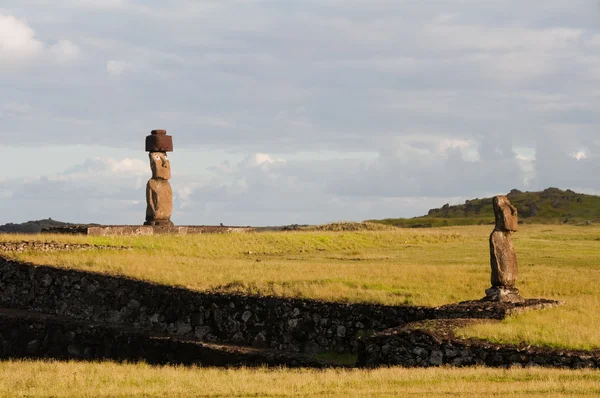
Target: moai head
158, 143
506, 215
159, 163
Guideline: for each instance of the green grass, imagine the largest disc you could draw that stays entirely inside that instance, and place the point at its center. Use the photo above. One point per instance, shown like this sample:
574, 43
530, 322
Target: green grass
403, 266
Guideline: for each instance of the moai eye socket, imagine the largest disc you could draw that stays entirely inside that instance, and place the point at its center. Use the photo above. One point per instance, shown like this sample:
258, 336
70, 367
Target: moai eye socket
156, 157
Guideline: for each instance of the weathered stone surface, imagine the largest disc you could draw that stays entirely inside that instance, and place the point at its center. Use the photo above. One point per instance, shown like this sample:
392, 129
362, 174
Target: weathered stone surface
32, 335
160, 165
506, 215
159, 196
504, 294
262, 321
159, 141
139, 230
503, 259
434, 343
23, 246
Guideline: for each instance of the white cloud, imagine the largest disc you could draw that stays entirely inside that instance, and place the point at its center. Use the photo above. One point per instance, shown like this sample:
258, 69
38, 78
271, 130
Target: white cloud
117, 68
18, 44
261, 160
448, 98
65, 52
579, 155
109, 167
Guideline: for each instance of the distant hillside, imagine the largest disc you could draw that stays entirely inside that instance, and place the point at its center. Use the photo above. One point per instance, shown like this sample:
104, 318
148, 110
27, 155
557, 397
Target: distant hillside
30, 227
551, 206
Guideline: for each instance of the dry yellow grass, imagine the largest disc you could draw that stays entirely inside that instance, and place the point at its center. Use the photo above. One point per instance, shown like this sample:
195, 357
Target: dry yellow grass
420, 267
59, 379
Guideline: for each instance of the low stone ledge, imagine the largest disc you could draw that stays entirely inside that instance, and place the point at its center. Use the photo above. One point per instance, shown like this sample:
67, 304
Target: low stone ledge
434, 343
143, 230
40, 336
479, 309
23, 246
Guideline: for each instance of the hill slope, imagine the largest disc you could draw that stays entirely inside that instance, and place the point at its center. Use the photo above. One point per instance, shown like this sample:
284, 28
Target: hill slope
550, 206
30, 227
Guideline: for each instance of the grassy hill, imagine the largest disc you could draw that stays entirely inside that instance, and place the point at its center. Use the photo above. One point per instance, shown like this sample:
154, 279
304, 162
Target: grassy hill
31, 227
551, 206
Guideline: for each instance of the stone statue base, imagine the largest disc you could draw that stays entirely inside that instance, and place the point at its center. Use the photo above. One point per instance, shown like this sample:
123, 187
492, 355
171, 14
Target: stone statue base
503, 295
160, 223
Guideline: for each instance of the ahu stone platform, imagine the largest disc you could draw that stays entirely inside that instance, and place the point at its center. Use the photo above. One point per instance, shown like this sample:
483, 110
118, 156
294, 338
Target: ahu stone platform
143, 230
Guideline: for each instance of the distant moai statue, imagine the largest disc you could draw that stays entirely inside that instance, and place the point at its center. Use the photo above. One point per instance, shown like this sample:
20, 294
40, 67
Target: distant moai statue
159, 194
503, 254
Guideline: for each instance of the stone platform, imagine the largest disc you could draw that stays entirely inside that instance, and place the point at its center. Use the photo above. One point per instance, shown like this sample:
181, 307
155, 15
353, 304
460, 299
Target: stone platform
143, 230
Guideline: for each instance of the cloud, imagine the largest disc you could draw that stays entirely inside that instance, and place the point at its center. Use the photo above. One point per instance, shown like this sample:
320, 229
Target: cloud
116, 68
18, 44
65, 52
103, 189
319, 109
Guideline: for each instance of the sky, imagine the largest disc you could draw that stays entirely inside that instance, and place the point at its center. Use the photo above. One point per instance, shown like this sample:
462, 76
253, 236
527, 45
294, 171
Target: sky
294, 111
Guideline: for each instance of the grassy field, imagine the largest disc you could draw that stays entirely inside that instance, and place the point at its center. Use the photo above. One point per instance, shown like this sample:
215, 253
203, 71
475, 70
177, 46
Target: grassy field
418, 267
401, 266
111, 380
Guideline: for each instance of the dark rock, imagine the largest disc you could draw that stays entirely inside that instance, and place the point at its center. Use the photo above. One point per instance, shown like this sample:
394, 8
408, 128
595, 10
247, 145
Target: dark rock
201, 332
437, 358
33, 346
311, 348
533, 209
260, 341
197, 319
74, 350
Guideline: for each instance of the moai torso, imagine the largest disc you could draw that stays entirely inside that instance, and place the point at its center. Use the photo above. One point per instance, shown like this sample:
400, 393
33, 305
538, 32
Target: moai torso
502, 251
159, 194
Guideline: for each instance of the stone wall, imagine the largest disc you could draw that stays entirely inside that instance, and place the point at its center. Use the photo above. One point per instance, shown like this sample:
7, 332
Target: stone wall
434, 343
291, 325
23, 246
29, 335
299, 326
142, 230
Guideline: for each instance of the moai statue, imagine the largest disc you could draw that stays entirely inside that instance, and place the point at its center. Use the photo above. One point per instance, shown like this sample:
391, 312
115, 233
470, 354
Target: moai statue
159, 194
503, 255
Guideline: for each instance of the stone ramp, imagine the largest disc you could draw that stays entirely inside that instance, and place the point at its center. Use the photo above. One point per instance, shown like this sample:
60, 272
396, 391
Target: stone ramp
434, 343
25, 334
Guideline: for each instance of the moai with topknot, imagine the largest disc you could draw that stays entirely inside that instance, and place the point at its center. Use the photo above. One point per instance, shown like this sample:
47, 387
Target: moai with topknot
159, 194
503, 254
